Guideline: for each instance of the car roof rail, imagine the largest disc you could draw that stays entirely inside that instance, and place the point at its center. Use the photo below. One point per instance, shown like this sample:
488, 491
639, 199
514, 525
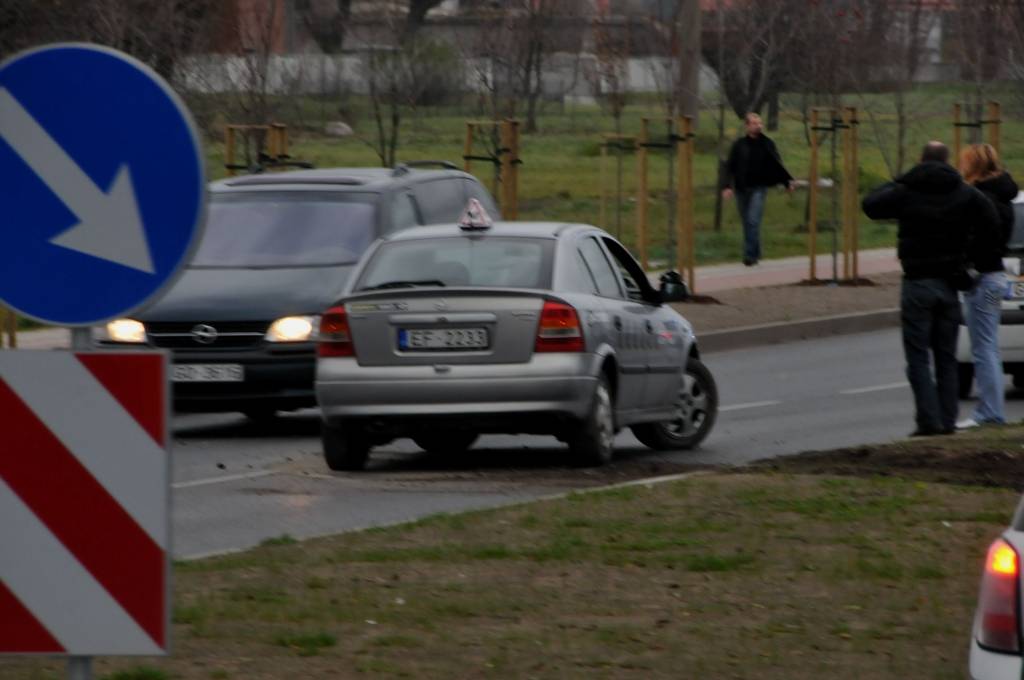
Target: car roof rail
404, 167
283, 179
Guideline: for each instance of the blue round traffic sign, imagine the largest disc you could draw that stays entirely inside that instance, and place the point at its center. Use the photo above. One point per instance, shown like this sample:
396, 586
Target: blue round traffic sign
102, 190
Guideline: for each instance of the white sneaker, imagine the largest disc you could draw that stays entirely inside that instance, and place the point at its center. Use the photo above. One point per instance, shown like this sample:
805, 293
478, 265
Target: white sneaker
967, 424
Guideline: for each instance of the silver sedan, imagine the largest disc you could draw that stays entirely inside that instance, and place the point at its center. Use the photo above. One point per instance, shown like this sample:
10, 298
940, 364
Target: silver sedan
447, 332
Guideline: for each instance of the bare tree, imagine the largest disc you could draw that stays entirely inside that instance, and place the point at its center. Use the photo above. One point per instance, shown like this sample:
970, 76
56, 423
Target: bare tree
891, 43
511, 57
982, 29
609, 76
1015, 67
257, 33
416, 15
158, 32
396, 79
327, 22
748, 48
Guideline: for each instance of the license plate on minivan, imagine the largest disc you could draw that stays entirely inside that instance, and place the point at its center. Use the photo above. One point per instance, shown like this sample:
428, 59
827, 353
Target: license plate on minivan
442, 339
208, 373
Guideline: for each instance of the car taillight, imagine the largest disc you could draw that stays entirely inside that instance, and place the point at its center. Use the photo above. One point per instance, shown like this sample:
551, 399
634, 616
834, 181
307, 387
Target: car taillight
559, 329
999, 602
335, 338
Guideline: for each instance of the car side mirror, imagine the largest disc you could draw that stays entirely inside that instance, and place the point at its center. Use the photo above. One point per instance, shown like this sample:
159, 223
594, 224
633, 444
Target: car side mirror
673, 288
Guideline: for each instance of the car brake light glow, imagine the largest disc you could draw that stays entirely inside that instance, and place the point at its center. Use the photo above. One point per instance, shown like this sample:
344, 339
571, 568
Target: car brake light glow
1002, 559
335, 338
559, 329
999, 603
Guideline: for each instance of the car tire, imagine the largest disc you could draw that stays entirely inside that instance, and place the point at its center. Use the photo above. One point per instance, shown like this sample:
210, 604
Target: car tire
1018, 380
592, 440
442, 443
346, 447
965, 378
696, 409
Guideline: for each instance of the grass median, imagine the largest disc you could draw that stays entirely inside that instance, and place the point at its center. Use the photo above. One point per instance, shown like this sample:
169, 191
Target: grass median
750, 573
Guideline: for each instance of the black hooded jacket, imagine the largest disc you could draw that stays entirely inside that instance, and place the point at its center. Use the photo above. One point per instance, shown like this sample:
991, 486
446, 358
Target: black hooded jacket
988, 248
938, 214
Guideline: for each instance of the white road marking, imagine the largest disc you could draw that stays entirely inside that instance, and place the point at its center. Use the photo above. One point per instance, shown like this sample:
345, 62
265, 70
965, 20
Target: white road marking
226, 478
877, 388
753, 404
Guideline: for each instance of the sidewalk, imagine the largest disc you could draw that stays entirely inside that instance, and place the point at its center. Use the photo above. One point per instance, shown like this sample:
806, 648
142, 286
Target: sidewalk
721, 277
709, 280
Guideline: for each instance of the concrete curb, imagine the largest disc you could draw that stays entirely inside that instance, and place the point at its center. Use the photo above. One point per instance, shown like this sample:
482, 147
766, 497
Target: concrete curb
790, 331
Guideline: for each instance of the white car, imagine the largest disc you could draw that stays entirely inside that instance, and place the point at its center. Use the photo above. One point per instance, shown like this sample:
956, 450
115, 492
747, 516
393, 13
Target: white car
996, 635
1011, 323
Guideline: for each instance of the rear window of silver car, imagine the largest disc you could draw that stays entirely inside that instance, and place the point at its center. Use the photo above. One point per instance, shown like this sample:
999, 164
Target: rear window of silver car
484, 261
287, 229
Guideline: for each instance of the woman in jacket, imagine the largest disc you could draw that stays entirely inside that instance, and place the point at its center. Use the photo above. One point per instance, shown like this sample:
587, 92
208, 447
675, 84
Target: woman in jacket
981, 168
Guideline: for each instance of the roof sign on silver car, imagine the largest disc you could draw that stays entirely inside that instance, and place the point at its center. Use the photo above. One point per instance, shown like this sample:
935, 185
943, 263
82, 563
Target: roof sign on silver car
474, 217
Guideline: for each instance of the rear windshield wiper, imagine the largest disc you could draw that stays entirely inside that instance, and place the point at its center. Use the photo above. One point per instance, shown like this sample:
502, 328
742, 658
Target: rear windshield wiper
405, 284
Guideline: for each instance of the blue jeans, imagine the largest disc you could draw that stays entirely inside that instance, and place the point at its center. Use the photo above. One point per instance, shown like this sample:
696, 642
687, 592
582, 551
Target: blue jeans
751, 205
983, 308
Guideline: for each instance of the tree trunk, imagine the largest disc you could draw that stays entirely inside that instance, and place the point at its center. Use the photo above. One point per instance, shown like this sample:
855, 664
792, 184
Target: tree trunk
773, 111
689, 59
721, 174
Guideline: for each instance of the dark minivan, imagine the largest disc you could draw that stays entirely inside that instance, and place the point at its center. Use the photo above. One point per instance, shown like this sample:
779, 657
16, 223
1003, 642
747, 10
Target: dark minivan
277, 250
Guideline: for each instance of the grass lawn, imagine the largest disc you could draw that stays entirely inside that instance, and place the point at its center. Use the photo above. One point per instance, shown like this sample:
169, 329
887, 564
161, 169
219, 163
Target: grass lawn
749, 574
561, 180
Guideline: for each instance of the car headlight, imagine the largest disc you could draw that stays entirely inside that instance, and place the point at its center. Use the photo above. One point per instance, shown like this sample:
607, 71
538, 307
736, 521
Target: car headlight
293, 329
126, 330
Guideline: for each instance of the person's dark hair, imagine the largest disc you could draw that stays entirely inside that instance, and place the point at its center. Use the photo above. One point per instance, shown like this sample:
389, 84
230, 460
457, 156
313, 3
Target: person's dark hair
935, 152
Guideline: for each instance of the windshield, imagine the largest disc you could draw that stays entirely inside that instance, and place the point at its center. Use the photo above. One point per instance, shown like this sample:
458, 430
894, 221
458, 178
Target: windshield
286, 229
461, 261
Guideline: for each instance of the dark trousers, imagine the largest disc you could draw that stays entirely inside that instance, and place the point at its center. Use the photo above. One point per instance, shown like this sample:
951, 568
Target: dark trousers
751, 206
930, 315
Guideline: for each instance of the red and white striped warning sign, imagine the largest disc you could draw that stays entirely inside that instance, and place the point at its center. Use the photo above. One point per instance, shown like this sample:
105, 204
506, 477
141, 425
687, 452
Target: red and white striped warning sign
84, 491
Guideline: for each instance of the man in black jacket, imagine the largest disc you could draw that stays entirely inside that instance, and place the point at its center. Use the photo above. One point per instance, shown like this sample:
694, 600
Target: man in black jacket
938, 213
753, 166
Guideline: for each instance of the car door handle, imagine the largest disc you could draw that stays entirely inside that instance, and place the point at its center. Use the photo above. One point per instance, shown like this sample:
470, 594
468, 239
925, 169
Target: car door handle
649, 326
618, 323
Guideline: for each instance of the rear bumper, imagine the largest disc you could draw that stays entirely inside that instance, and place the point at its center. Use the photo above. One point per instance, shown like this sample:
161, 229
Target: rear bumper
548, 384
986, 665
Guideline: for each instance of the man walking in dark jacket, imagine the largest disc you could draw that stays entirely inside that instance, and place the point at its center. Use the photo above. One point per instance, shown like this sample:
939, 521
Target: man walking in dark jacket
937, 213
753, 166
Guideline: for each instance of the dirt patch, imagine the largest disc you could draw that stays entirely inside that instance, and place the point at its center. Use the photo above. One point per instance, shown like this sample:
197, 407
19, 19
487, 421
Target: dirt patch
991, 457
779, 304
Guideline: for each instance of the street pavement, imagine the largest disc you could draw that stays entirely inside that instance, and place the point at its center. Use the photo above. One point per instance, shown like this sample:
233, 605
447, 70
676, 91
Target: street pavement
237, 483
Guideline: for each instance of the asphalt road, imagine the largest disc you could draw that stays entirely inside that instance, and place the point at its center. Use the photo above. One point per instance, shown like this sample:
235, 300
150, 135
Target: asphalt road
237, 483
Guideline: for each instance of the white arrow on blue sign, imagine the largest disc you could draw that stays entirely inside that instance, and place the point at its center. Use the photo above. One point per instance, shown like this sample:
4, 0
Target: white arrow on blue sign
102, 193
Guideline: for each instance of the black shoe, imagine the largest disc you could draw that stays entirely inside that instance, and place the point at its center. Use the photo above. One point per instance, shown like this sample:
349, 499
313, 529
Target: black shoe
749, 261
